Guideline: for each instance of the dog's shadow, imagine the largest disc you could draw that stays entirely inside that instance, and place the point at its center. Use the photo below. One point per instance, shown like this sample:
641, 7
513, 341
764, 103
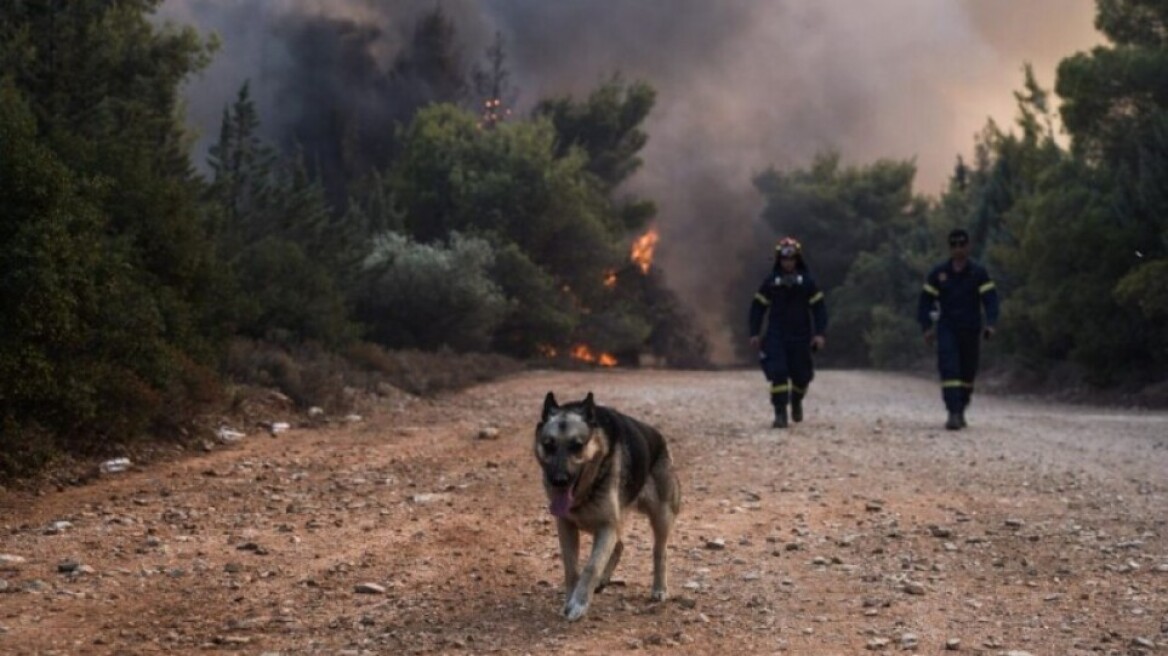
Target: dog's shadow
478, 616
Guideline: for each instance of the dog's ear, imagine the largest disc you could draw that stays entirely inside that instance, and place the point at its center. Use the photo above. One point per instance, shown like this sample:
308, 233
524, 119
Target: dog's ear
589, 409
549, 404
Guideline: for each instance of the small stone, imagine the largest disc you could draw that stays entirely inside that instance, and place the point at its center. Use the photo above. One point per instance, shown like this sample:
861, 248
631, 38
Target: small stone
369, 588
913, 588
488, 433
717, 544
114, 466
58, 527
940, 532
228, 435
953, 644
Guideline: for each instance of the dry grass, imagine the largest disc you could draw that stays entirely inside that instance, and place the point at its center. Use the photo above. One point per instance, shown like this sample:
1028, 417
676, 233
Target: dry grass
312, 376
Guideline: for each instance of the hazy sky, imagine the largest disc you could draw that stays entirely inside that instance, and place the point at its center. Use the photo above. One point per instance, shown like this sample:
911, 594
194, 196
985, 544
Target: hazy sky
742, 84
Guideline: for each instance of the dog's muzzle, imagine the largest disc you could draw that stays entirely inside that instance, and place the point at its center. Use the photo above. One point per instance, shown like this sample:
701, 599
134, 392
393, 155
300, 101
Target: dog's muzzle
558, 479
561, 488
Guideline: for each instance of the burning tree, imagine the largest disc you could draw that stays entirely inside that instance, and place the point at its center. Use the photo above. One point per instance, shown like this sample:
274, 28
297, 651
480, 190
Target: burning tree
643, 247
492, 86
641, 307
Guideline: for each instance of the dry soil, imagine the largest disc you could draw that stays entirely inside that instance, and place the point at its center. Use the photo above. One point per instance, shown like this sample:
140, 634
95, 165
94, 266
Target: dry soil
422, 528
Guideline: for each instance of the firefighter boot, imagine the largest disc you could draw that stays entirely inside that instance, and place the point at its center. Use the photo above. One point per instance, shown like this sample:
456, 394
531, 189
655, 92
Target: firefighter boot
954, 421
961, 418
780, 417
796, 407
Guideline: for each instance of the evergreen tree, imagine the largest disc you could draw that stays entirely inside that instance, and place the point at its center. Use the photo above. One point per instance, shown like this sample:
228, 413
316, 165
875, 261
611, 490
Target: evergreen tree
52, 267
607, 126
271, 217
1096, 232
100, 81
509, 186
492, 85
431, 69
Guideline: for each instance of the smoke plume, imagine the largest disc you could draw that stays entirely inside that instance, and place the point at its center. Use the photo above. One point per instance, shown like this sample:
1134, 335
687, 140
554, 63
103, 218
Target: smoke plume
742, 85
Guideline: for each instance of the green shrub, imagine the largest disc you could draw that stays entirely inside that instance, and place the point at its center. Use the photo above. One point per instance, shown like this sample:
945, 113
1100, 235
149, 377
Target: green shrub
428, 296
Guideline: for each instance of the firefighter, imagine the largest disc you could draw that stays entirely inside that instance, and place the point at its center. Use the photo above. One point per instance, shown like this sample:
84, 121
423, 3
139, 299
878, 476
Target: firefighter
796, 320
950, 314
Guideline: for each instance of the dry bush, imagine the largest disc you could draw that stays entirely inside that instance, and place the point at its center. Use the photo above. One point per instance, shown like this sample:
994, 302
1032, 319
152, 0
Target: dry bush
310, 375
313, 376
426, 373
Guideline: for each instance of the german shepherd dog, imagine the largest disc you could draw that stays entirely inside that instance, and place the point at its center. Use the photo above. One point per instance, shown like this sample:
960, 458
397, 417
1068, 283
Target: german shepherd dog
597, 464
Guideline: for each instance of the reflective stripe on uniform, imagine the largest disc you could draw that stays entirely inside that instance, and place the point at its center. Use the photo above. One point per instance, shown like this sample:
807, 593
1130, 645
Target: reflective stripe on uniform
798, 390
779, 389
986, 287
762, 299
815, 299
932, 290
956, 383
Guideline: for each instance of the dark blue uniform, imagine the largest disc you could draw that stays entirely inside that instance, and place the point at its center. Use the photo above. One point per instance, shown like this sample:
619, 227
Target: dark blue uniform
795, 312
960, 297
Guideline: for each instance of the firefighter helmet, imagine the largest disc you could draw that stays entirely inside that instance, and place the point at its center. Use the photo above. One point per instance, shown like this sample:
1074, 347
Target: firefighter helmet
788, 247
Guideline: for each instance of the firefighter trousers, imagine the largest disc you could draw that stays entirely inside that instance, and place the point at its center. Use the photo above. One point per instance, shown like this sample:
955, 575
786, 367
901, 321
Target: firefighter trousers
958, 351
787, 364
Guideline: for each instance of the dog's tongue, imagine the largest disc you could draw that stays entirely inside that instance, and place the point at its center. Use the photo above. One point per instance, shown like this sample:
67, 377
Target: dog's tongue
561, 503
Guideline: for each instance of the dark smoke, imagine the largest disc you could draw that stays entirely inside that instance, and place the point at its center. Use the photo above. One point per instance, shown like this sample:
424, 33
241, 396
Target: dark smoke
742, 84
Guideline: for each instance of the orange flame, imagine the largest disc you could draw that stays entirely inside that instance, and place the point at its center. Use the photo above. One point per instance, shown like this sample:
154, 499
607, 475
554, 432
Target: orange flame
642, 251
610, 278
584, 353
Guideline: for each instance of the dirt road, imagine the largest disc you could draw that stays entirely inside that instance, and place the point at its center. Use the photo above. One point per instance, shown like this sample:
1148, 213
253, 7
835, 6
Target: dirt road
1041, 529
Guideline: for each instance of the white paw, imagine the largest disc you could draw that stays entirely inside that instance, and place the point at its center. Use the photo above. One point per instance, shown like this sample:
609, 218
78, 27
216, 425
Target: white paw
659, 595
574, 610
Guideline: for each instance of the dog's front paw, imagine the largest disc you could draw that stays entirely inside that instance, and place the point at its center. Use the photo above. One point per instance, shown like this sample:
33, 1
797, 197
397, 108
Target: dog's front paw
574, 610
659, 594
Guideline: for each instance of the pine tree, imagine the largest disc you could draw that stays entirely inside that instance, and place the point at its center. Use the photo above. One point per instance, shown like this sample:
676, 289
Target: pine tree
493, 87
101, 82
